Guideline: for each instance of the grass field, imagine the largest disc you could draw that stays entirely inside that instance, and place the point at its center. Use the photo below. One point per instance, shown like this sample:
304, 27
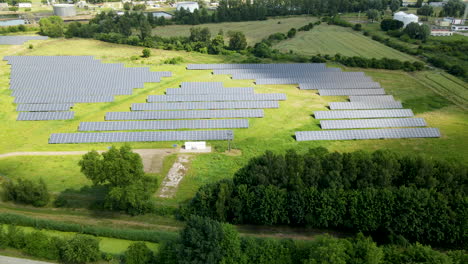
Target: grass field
275, 131
325, 39
254, 30
106, 244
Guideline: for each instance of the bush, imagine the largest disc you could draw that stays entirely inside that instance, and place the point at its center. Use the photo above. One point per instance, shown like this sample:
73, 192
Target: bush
146, 53
30, 46
27, 192
81, 249
175, 60
138, 253
292, 33
357, 27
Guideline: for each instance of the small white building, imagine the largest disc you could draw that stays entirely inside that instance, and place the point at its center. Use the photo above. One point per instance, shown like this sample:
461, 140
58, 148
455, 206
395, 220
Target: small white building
195, 145
437, 32
455, 21
406, 18
459, 28
3, 5
159, 14
190, 6
24, 5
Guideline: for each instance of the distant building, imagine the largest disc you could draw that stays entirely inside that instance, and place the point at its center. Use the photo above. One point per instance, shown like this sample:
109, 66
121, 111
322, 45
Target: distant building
3, 5
459, 28
442, 23
406, 18
455, 21
24, 5
64, 10
441, 32
437, 4
159, 14
190, 6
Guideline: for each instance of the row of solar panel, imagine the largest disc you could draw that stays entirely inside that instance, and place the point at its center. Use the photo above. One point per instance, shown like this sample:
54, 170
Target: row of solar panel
69, 93
254, 66
64, 99
204, 105
66, 138
368, 134
217, 97
164, 124
337, 85
311, 75
189, 114
205, 90
312, 80
281, 70
43, 107
19, 40
365, 105
35, 116
201, 85
363, 114
371, 98
372, 123
342, 92
48, 58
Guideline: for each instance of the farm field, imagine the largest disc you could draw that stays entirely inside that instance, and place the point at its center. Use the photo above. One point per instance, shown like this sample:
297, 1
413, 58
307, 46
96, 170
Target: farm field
273, 132
254, 31
325, 39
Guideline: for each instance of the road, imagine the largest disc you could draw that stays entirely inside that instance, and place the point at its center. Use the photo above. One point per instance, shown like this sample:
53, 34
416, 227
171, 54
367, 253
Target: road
10, 260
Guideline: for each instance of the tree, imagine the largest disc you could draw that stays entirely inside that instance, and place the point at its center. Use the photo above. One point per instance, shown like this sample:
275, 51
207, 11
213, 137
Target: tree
145, 30
357, 27
372, 14
327, 249
237, 40
127, 6
200, 34
217, 44
390, 24
454, 8
426, 10
419, 3
292, 33
416, 31
138, 253
146, 53
52, 26
81, 249
395, 5
27, 192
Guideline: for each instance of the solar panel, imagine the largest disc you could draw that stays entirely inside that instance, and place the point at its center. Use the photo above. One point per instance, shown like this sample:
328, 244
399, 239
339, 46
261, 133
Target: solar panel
363, 114
368, 134
372, 123
298, 80
254, 66
184, 114
64, 99
297, 74
164, 124
19, 40
217, 97
204, 90
43, 107
339, 92
204, 105
148, 136
35, 116
339, 85
365, 105
191, 85
370, 98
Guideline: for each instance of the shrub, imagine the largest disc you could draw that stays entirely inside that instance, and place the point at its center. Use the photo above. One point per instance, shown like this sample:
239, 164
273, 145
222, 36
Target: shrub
357, 27
146, 53
138, 253
27, 192
81, 249
175, 60
292, 33
30, 46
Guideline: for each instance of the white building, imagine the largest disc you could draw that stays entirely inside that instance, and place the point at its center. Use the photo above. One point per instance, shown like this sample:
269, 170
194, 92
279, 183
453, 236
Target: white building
406, 18
195, 145
441, 32
24, 5
190, 6
459, 28
159, 14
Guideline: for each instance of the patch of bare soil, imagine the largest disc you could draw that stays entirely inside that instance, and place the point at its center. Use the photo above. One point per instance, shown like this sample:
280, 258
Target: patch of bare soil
174, 176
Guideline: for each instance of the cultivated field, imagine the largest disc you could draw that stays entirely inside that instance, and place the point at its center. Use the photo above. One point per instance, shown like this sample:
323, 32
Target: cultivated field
253, 30
325, 39
273, 132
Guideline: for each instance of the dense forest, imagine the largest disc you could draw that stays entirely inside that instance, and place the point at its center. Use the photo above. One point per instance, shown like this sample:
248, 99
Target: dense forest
382, 194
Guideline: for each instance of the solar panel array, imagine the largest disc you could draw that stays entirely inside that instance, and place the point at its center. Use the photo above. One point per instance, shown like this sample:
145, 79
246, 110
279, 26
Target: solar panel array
372, 123
205, 105
363, 114
145, 115
148, 136
35, 116
365, 105
54, 83
371, 98
339, 92
368, 134
255, 66
19, 40
217, 97
335, 85
164, 124
207, 90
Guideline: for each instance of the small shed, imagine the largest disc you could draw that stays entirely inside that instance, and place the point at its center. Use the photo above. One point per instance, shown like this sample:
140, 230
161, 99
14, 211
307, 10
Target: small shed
195, 145
24, 5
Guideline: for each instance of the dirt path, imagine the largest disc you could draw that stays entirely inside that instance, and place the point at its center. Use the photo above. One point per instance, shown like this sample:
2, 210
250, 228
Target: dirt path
174, 176
10, 260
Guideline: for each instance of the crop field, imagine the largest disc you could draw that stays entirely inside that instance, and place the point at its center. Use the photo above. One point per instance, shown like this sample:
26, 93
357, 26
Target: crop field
325, 39
254, 31
273, 132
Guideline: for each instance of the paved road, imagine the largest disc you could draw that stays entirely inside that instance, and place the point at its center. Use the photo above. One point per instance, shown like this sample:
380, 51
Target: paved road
10, 260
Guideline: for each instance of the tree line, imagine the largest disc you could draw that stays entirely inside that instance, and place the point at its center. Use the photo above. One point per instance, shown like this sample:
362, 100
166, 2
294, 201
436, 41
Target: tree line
381, 193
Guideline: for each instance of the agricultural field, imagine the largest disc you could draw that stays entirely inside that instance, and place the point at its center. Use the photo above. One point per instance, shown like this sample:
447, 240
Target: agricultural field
254, 31
325, 39
434, 102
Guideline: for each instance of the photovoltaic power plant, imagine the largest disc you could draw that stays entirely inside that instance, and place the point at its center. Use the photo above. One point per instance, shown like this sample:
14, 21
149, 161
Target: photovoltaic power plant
35, 116
43, 107
145, 115
368, 134
217, 97
372, 123
370, 98
147, 136
365, 105
19, 40
164, 124
205, 105
342, 92
363, 114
